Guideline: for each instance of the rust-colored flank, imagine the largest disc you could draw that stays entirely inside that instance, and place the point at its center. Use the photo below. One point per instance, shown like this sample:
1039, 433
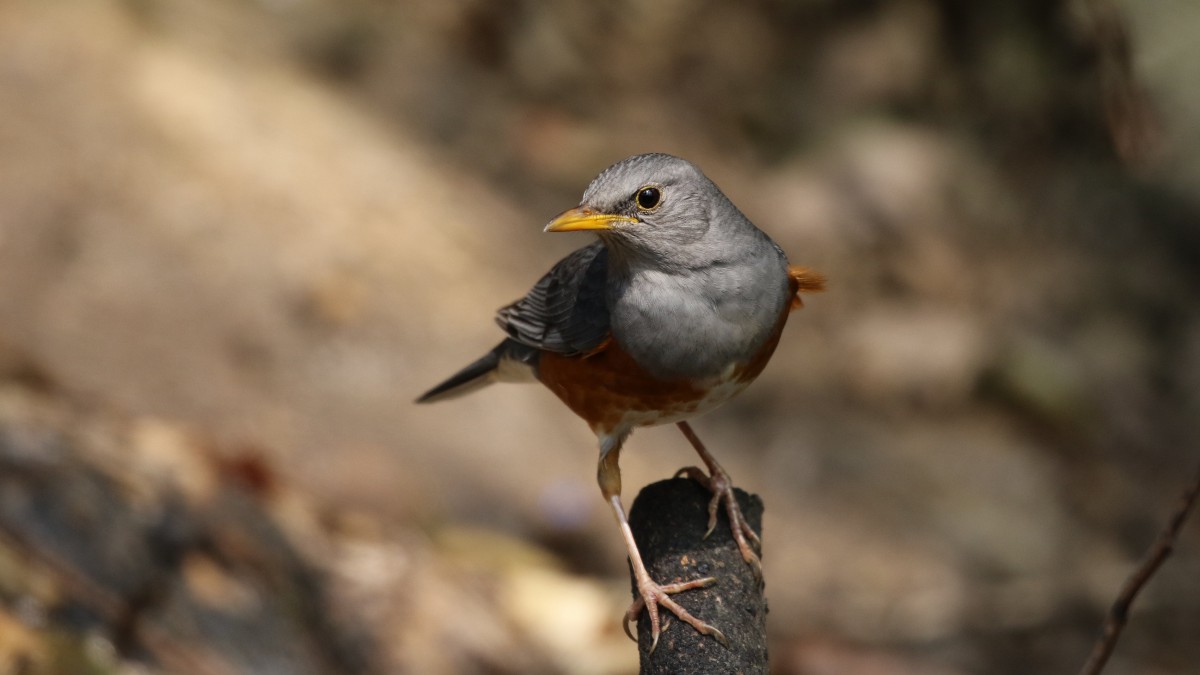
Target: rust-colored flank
804, 280
606, 384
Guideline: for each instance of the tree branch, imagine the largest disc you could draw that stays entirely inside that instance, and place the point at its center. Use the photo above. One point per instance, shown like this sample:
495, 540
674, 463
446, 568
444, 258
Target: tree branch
668, 519
1118, 614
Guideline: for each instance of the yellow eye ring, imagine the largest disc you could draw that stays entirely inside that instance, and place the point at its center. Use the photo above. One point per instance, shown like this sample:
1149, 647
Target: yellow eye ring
648, 198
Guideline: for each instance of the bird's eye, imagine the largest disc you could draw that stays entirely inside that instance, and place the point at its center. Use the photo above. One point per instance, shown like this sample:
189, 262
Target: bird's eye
648, 198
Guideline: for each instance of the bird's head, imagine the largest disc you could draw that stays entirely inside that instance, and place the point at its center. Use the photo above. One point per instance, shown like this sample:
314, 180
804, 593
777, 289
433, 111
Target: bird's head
653, 206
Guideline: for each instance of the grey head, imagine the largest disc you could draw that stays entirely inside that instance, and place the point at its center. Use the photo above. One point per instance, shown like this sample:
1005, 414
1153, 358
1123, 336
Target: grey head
660, 210
693, 286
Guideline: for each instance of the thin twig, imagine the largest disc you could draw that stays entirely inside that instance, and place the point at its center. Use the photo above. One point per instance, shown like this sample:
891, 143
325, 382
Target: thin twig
1119, 612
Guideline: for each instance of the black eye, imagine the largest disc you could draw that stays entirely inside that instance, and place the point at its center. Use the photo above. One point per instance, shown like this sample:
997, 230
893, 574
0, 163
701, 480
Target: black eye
648, 198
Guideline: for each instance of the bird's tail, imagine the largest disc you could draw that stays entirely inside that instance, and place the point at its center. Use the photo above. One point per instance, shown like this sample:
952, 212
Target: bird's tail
510, 361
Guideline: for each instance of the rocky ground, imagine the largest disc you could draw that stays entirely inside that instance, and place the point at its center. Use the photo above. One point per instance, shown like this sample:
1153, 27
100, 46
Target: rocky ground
238, 238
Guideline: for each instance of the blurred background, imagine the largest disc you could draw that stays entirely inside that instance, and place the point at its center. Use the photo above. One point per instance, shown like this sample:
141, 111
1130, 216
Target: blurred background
238, 238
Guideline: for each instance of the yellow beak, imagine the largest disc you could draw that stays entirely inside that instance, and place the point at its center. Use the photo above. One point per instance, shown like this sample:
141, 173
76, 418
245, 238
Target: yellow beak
579, 218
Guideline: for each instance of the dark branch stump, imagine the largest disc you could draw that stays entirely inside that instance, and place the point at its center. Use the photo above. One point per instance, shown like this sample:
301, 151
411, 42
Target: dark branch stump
668, 520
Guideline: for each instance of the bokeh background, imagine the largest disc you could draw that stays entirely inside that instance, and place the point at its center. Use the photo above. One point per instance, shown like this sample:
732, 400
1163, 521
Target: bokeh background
237, 238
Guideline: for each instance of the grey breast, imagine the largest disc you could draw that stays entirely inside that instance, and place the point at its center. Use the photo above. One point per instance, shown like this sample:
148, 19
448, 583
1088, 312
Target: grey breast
699, 322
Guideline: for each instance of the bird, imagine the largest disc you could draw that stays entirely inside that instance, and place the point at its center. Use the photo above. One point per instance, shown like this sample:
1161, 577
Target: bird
674, 309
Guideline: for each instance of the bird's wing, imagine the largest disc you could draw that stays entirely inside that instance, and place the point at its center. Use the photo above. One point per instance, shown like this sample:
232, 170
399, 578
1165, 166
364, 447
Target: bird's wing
565, 311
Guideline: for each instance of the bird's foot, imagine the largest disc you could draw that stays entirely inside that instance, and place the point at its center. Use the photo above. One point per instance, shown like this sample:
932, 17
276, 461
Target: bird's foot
652, 595
721, 487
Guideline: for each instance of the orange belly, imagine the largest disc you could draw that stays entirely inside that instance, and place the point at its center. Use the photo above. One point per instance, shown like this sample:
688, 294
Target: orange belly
608, 389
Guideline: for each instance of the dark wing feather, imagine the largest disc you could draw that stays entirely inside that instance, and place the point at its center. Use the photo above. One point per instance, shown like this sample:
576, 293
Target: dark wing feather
565, 311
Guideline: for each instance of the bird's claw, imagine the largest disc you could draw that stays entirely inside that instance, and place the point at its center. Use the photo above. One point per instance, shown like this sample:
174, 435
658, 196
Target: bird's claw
721, 487
651, 595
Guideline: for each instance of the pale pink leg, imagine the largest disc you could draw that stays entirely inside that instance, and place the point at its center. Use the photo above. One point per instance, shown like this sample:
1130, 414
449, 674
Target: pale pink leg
719, 483
652, 593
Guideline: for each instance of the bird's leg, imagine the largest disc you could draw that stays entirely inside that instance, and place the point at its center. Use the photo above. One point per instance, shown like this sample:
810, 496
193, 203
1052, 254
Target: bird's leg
721, 486
652, 593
